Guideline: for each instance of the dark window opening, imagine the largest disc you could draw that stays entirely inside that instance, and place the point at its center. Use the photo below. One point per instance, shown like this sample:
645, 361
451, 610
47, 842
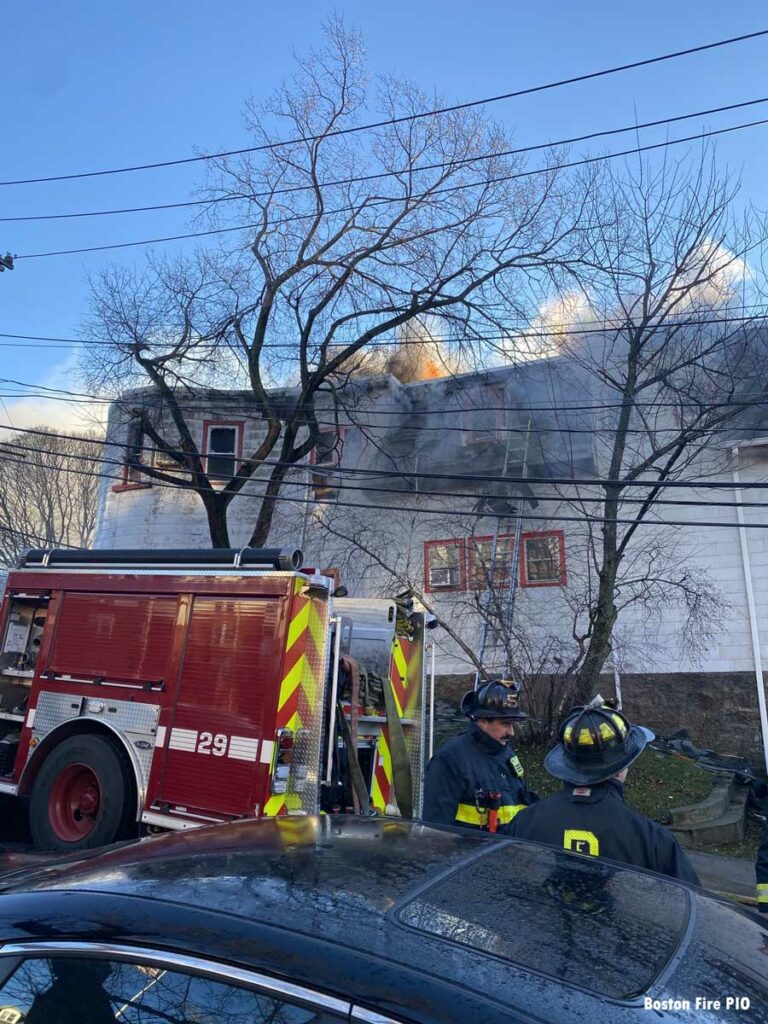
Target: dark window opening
222, 444
327, 454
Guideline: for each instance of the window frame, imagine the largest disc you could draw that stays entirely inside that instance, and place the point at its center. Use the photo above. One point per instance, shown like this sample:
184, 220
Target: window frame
237, 455
132, 475
473, 582
220, 971
321, 489
523, 559
460, 543
472, 434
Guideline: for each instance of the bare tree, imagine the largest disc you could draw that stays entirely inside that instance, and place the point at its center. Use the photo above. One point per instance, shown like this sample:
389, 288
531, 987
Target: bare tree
350, 234
47, 497
542, 646
676, 368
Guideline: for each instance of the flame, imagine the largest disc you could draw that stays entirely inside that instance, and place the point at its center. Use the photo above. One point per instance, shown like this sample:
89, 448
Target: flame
431, 370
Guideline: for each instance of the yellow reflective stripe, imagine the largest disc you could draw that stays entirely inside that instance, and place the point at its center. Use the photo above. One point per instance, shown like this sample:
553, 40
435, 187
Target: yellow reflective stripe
762, 892
299, 623
508, 811
469, 814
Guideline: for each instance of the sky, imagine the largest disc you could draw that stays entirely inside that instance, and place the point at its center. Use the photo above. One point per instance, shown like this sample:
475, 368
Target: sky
92, 85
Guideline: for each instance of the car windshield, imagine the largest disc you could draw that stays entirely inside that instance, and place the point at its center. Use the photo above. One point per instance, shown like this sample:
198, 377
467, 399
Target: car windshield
586, 923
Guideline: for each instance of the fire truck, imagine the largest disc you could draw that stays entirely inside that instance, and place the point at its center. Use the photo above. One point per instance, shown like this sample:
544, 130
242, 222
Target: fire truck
170, 689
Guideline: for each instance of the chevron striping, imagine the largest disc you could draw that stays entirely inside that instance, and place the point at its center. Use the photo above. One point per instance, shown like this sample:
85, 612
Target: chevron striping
298, 625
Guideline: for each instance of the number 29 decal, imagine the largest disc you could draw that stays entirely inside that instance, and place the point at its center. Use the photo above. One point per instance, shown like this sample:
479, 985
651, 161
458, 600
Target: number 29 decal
212, 743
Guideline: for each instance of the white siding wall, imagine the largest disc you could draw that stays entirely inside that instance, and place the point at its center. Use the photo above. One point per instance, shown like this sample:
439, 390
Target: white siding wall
165, 517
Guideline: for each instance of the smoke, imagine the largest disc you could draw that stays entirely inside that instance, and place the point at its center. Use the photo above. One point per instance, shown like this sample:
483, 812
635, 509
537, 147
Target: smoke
418, 353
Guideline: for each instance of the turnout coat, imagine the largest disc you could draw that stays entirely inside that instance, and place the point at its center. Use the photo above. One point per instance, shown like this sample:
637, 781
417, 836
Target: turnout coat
464, 771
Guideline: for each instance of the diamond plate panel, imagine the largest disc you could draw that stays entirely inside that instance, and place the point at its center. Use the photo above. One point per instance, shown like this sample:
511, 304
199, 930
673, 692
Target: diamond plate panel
135, 721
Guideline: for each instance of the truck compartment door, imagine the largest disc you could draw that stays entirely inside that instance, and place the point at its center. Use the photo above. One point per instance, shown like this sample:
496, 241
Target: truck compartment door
227, 690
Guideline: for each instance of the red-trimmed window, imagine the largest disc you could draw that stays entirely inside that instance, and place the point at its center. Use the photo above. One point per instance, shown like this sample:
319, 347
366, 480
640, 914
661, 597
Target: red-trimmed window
480, 557
542, 561
222, 448
444, 565
327, 455
482, 422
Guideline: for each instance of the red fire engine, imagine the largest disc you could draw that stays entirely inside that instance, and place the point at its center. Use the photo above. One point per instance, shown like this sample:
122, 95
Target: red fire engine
177, 688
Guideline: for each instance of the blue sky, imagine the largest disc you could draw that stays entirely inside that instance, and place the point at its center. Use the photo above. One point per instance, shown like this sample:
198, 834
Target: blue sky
90, 85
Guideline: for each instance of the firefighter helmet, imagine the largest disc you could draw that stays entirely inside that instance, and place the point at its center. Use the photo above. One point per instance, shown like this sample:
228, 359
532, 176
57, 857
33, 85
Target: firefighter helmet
499, 698
596, 742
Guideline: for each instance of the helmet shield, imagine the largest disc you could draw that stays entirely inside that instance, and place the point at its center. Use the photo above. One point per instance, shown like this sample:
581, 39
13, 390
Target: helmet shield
595, 743
499, 698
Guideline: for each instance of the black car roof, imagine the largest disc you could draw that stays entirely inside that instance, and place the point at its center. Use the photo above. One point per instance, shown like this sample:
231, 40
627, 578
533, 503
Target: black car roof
465, 907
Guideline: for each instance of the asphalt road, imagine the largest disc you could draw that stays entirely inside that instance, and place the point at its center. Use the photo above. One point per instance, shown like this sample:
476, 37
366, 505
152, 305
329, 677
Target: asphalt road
14, 827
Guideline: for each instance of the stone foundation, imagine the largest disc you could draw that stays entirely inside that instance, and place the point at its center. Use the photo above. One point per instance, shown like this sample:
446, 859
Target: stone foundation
719, 710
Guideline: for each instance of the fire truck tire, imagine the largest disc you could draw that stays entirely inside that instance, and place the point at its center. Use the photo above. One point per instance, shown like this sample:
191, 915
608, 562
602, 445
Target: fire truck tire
84, 796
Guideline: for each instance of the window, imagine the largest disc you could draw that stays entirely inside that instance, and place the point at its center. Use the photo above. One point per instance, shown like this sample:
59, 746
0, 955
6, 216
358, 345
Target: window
480, 557
327, 454
133, 457
543, 559
482, 421
222, 449
444, 565
70, 990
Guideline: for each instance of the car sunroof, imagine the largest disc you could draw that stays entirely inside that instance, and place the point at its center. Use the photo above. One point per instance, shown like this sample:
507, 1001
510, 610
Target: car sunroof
590, 924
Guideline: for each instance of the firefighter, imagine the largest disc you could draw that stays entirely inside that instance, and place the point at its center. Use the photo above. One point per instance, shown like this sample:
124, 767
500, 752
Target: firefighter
761, 869
476, 780
589, 816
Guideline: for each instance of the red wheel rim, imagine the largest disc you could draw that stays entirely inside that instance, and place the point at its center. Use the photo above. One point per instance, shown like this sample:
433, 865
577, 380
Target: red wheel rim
74, 802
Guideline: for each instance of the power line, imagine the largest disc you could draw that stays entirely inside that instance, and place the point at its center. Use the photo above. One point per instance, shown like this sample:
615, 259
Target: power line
405, 475
493, 428
440, 165
327, 472
749, 399
530, 90
389, 507
545, 332
398, 199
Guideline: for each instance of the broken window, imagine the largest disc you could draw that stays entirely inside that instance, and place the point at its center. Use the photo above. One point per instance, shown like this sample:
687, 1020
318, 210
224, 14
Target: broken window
481, 558
222, 447
327, 455
134, 454
482, 418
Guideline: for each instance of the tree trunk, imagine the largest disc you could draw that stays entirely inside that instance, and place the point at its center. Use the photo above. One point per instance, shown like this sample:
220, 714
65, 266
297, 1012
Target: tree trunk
261, 530
603, 621
216, 511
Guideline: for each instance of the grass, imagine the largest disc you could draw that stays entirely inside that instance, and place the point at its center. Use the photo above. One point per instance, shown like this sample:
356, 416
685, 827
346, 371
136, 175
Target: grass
656, 783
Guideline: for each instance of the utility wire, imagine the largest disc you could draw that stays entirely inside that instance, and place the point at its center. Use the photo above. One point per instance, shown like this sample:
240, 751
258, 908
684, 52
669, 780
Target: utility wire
325, 473
513, 325
407, 475
389, 507
530, 90
747, 400
420, 428
433, 193
546, 332
377, 176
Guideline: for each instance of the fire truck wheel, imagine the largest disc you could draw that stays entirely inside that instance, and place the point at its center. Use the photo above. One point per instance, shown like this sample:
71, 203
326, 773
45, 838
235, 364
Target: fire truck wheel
83, 796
